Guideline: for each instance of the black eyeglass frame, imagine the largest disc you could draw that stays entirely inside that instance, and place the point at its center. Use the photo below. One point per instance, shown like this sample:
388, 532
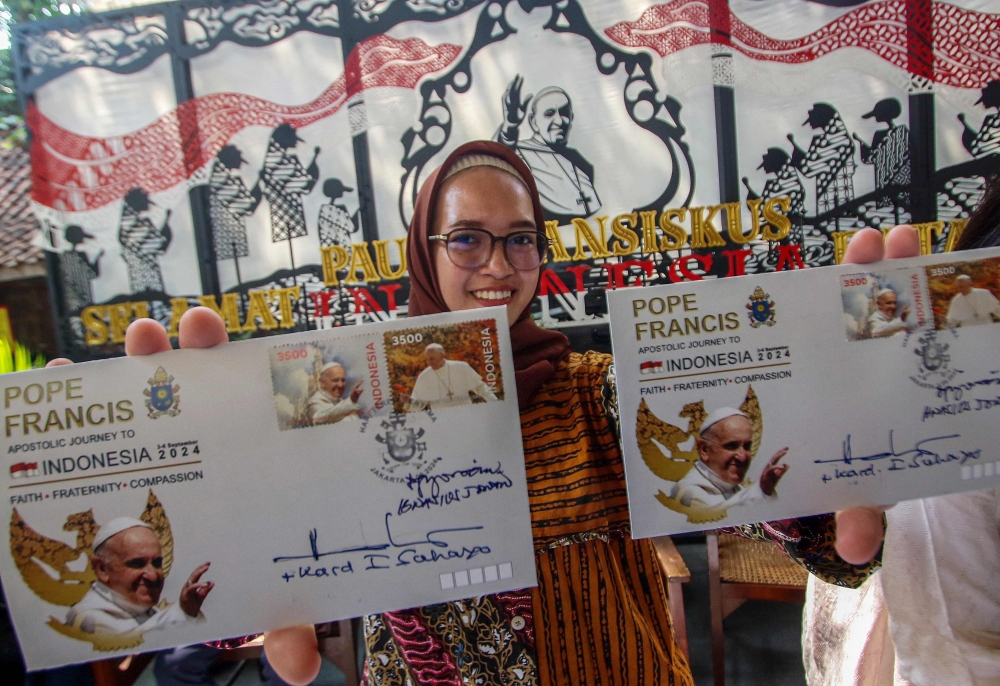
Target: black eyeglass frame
544, 242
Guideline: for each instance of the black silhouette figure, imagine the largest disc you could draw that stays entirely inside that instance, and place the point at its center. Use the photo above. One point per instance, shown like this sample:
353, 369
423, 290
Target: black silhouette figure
142, 242
77, 271
785, 182
830, 158
229, 204
564, 177
987, 140
335, 223
284, 181
889, 151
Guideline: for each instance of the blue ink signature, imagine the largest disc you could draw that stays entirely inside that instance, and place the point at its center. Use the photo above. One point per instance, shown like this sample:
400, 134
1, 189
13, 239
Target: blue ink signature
955, 392
917, 450
430, 538
429, 491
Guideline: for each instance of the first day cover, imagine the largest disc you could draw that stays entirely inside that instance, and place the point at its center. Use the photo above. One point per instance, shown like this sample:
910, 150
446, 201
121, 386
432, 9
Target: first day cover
196, 495
796, 393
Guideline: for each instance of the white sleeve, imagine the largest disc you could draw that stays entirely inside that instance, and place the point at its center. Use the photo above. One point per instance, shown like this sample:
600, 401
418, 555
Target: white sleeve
994, 304
172, 616
422, 388
476, 383
951, 319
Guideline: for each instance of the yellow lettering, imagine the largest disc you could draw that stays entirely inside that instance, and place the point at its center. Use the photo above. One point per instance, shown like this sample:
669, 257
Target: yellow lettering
382, 259
955, 229
258, 307
782, 224
558, 249
334, 258
704, 233
361, 261
121, 317
674, 235
178, 306
926, 233
734, 221
626, 240
597, 248
230, 310
285, 296
650, 242
95, 328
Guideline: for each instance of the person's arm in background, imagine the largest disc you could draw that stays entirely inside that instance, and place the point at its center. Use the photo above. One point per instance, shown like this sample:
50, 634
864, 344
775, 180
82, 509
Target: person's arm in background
856, 534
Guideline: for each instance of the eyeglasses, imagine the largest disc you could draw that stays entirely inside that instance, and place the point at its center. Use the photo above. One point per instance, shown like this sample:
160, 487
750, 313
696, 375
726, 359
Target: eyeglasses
472, 248
733, 446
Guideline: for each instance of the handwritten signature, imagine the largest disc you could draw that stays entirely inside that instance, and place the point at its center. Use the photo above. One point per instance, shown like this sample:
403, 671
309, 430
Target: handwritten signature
910, 458
438, 490
955, 392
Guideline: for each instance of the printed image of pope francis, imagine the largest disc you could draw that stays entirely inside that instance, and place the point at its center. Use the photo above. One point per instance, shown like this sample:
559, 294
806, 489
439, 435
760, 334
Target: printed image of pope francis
446, 383
716, 482
888, 319
328, 404
125, 599
971, 306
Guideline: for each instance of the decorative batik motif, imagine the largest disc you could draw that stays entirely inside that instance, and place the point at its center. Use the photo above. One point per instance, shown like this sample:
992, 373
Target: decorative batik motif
809, 542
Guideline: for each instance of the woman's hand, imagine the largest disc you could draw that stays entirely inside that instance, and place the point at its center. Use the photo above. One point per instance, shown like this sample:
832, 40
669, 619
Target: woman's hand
294, 653
859, 530
199, 327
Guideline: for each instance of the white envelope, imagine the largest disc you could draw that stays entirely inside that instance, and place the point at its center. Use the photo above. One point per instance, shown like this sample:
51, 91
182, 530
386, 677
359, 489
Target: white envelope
310, 506
882, 382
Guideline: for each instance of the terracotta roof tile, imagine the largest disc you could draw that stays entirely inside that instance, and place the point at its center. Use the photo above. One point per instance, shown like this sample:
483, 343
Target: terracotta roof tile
18, 224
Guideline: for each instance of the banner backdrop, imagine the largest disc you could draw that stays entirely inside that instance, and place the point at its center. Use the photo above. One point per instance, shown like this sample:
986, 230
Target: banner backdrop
263, 158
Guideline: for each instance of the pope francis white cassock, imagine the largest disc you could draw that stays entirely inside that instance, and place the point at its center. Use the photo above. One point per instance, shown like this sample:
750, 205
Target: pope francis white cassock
971, 306
445, 383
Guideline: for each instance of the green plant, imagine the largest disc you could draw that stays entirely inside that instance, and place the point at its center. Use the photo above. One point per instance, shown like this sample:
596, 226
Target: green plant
18, 358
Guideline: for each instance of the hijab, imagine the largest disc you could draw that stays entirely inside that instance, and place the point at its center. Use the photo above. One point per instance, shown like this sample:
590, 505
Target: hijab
536, 350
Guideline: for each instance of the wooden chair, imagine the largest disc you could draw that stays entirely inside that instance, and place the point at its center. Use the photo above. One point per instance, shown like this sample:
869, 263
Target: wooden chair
677, 574
740, 570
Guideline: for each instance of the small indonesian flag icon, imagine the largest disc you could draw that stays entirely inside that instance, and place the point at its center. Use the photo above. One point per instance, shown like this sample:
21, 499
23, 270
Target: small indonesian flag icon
22, 469
650, 367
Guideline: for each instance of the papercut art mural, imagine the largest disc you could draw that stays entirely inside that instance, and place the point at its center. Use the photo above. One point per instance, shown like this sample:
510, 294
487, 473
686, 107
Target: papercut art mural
262, 158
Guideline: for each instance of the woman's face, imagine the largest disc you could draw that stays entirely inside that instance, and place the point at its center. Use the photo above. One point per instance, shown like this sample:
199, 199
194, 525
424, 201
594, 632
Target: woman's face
496, 201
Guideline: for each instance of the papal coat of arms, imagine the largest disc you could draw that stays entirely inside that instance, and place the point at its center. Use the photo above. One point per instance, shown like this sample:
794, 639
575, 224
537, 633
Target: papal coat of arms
37, 557
760, 309
163, 395
401, 442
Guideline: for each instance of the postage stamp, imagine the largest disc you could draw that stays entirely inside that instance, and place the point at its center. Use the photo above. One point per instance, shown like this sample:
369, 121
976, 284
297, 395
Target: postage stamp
965, 293
317, 383
883, 304
443, 366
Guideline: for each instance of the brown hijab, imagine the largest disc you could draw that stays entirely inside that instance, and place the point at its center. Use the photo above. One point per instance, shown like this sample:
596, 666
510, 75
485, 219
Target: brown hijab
536, 350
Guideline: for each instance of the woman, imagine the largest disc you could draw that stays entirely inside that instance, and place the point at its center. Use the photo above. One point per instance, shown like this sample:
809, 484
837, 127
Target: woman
599, 614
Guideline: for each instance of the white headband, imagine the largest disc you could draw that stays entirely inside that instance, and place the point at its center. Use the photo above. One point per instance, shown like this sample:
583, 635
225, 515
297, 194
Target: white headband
116, 526
480, 160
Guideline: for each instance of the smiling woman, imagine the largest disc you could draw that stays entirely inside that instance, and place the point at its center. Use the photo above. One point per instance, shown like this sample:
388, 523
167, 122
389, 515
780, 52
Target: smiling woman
475, 241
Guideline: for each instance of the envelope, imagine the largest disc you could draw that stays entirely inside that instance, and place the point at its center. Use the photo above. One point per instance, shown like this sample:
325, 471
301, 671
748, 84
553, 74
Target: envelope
319, 476
788, 394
